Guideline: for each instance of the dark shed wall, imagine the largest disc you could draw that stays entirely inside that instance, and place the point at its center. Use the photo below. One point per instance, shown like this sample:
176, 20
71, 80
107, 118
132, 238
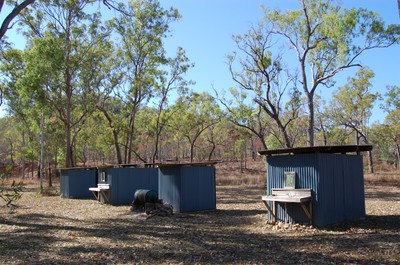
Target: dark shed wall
336, 181
64, 184
125, 181
169, 186
198, 189
76, 183
188, 188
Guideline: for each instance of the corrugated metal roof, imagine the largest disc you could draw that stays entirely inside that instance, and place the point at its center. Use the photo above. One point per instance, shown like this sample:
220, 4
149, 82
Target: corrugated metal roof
341, 149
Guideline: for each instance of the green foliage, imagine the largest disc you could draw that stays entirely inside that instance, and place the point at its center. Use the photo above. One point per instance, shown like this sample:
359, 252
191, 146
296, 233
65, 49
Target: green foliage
383, 137
115, 96
352, 103
327, 39
273, 142
12, 194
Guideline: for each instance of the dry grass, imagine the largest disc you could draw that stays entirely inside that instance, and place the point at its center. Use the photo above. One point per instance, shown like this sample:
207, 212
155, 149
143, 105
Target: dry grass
392, 178
252, 173
47, 229
53, 230
229, 173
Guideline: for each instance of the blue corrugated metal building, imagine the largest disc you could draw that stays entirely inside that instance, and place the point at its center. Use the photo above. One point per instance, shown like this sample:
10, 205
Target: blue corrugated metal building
125, 181
75, 182
188, 187
335, 178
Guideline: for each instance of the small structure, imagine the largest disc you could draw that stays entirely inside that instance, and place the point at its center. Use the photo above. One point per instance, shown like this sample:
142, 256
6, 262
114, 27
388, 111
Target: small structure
124, 181
333, 174
188, 187
75, 182
101, 192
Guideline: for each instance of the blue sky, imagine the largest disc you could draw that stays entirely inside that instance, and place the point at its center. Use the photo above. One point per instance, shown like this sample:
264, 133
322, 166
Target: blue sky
207, 26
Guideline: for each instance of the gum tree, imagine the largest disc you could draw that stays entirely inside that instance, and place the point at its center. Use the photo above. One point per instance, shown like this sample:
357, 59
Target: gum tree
326, 39
64, 62
194, 113
352, 105
140, 30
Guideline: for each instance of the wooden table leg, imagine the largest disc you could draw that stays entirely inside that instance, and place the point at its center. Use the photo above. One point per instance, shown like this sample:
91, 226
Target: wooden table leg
270, 210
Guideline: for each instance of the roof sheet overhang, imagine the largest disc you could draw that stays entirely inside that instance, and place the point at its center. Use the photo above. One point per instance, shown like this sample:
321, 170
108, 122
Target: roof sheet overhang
341, 149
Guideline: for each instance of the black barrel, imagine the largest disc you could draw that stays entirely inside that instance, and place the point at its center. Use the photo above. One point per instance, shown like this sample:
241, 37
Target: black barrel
143, 196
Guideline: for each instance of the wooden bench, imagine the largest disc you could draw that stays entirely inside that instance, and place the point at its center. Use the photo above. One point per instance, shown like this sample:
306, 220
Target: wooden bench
285, 196
101, 189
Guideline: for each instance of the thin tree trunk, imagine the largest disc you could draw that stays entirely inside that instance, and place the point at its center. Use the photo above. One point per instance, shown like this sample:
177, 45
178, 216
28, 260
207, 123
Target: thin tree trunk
117, 147
210, 155
310, 128
49, 173
370, 162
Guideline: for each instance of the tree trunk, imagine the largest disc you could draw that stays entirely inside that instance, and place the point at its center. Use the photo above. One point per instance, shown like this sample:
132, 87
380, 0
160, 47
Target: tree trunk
284, 133
156, 143
192, 151
23, 168
33, 169
23, 158
210, 155
49, 173
370, 162
129, 138
310, 129
68, 92
117, 147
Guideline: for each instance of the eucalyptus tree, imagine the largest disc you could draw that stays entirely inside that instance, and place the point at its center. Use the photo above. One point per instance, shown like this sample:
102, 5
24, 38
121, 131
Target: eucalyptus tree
170, 81
26, 114
264, 77
392, 120
140, 30
195, 113
326, 39
16, 8
64, 56
352, 105
245, 115
217, 137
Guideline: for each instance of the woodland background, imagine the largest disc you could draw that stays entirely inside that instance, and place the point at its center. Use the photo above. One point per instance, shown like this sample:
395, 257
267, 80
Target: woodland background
93, 91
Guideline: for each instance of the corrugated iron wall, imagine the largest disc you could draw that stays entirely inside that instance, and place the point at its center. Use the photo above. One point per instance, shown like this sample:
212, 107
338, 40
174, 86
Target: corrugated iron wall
76, 183
198, 188
336, 181
125, 181
170, 186
188, 188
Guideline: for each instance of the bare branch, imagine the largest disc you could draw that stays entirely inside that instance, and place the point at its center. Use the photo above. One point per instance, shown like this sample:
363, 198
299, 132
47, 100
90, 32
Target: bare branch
15, 12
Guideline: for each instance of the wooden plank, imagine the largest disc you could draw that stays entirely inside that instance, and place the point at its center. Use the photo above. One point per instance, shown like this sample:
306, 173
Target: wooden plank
269, 209
289, 196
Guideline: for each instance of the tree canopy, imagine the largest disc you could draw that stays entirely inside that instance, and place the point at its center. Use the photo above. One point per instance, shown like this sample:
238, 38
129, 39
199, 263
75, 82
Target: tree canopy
101, 90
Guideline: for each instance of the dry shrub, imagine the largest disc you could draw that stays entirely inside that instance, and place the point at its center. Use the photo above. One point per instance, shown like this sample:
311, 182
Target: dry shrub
392, 178
231, 173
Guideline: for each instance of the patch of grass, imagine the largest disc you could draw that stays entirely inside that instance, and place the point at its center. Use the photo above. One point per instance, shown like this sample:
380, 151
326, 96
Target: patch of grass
230, 173
392, 178
49, 191
3, 249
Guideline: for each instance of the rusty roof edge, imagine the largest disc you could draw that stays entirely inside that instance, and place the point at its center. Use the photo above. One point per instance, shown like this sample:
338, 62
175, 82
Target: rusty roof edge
343, 149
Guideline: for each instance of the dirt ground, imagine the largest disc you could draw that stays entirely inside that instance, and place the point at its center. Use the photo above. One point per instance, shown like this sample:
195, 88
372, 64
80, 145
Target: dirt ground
54, 230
